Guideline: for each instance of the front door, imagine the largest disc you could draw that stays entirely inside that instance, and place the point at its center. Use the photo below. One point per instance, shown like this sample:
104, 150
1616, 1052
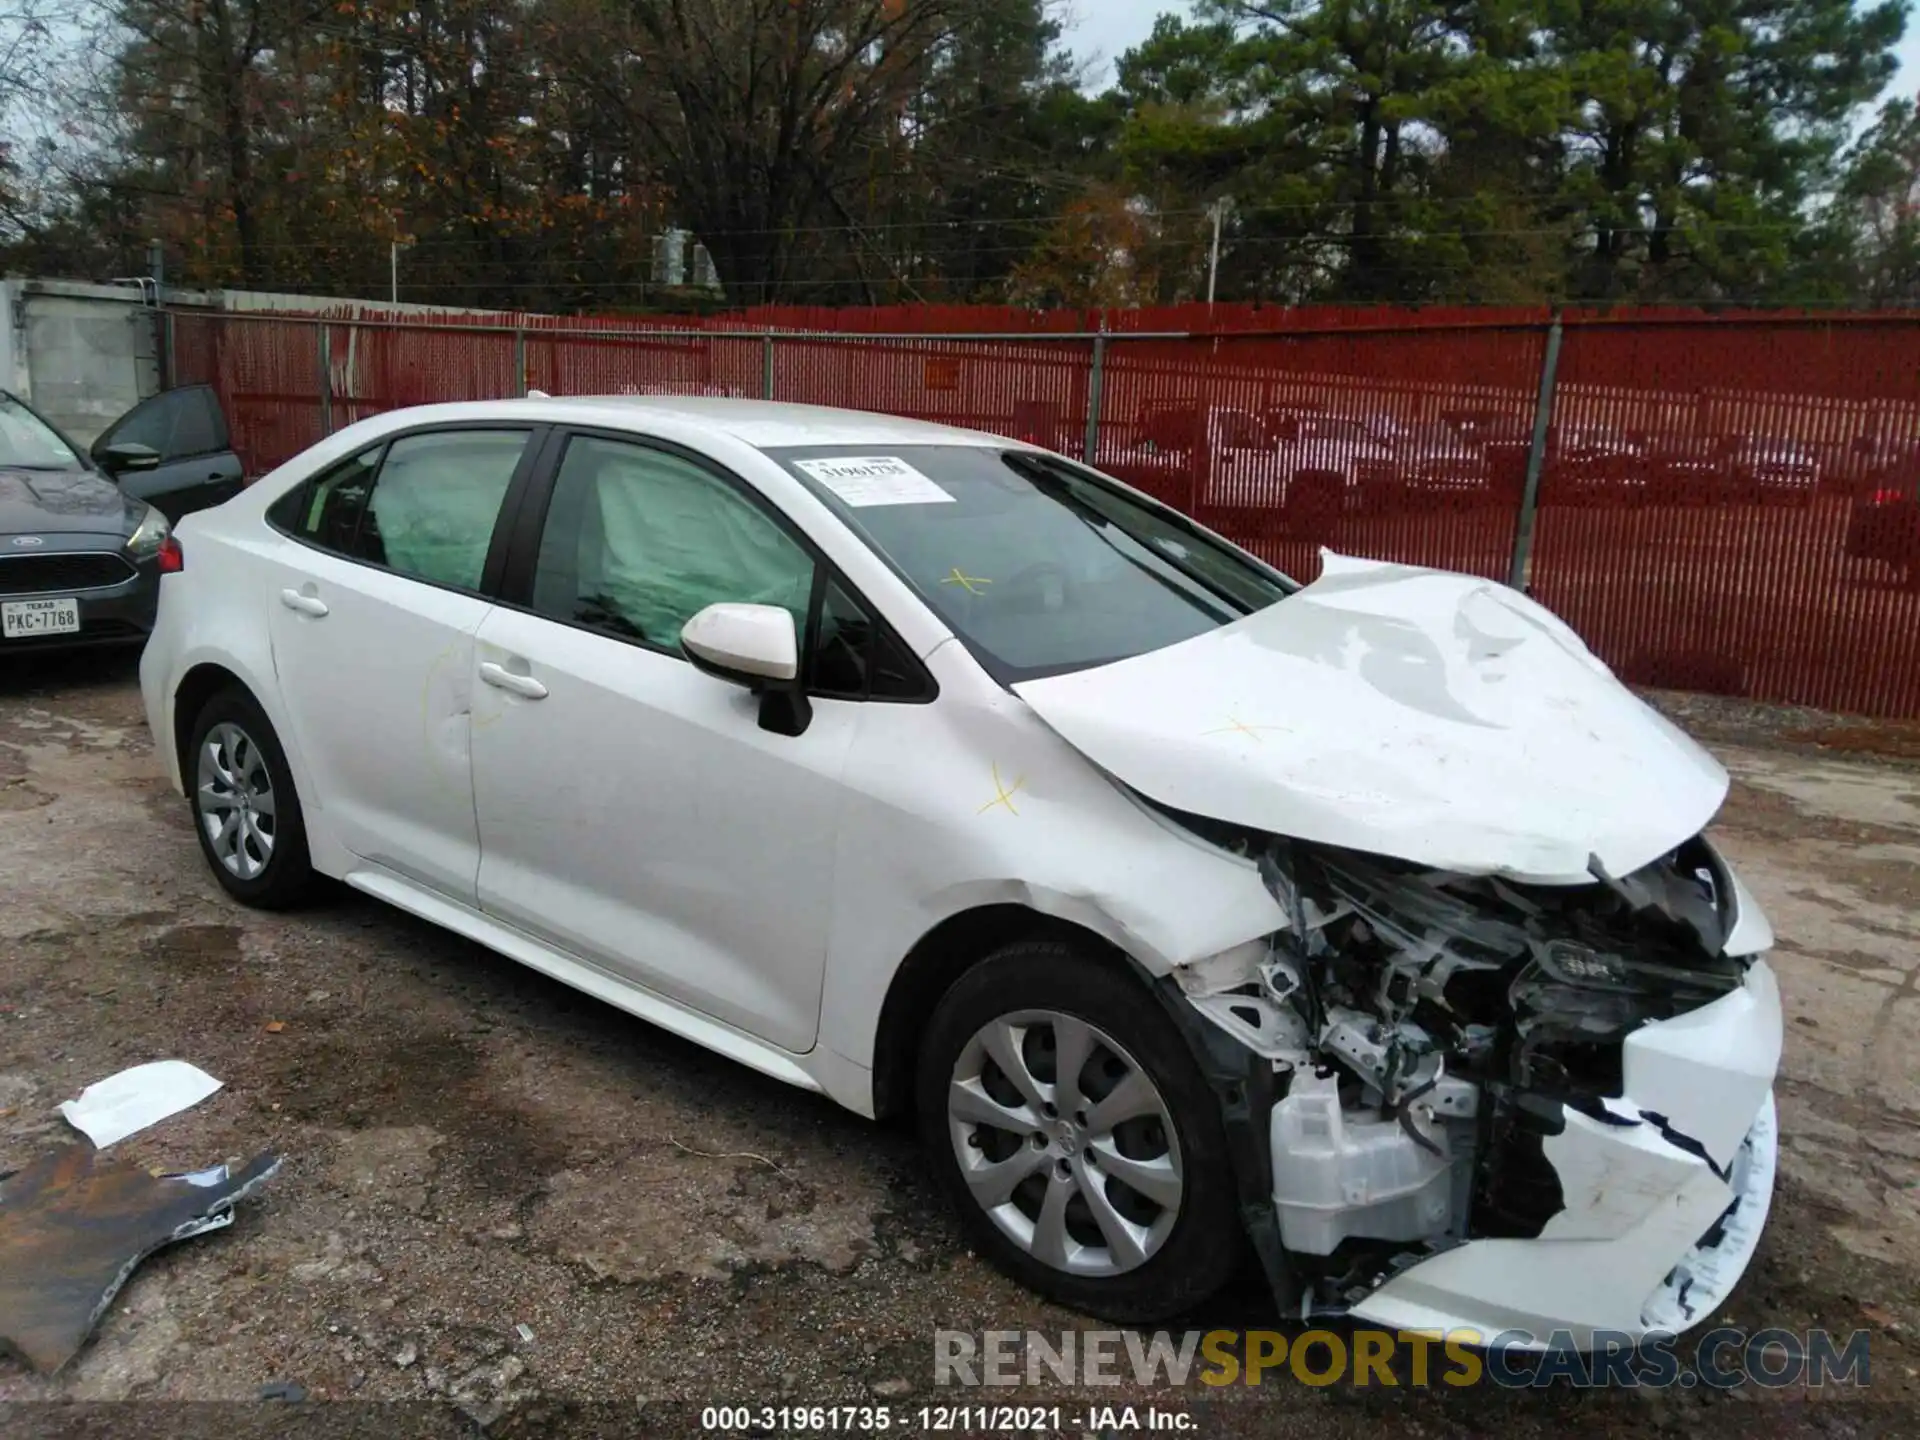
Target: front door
187, 430
372, 609
631, 809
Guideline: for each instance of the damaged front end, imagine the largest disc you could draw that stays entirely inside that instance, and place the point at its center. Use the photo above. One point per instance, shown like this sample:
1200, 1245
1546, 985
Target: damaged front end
1496, 1105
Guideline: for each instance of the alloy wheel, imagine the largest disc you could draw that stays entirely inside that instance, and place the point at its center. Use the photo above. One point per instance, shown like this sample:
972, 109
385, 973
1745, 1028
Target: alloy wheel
234, 795
1065, 1142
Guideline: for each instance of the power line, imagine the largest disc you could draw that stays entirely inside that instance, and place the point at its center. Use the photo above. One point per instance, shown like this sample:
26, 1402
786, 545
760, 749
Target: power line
1322, 236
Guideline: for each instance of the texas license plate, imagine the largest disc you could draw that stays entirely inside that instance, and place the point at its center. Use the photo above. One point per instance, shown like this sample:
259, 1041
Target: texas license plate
26, 619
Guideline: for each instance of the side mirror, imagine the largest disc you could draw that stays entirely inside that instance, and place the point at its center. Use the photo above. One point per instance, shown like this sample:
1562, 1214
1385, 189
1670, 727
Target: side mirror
755, 646
124, 456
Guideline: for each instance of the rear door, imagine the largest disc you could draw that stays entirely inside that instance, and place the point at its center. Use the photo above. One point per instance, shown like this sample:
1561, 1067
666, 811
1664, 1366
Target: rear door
188, 431
372, 611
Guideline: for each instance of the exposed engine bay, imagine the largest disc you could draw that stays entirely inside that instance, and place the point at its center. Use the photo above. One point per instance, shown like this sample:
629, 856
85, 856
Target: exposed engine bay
1431, 1032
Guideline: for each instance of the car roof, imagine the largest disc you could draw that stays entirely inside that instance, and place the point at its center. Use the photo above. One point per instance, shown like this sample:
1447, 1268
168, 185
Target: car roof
763, 424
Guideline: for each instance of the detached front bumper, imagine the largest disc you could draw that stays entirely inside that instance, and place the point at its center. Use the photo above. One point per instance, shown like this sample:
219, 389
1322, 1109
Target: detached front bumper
1664, 1198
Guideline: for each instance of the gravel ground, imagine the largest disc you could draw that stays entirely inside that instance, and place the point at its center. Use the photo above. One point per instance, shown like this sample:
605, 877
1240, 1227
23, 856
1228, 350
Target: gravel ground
505, 1206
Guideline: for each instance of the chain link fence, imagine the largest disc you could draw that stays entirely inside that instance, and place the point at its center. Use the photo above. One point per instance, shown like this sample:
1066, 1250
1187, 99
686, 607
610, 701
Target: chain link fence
1720, 504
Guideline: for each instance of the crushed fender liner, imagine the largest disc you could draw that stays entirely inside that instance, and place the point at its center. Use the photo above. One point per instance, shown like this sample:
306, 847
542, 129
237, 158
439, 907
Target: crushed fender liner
1494, 1104
1246, 1087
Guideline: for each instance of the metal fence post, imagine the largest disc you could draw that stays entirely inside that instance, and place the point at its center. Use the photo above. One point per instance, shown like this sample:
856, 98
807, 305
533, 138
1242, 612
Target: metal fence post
766, 366
1096, 392
169, 368
520, 358
1520, 574
326, 379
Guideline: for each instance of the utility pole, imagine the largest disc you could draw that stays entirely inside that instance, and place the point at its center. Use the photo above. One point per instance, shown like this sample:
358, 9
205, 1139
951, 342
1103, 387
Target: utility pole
1219, 210
393, 271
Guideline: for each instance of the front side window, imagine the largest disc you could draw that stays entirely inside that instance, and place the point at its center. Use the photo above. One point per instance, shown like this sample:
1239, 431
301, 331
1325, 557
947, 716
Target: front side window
856, 657
198, 428
175, 425
1037, 565
638, 541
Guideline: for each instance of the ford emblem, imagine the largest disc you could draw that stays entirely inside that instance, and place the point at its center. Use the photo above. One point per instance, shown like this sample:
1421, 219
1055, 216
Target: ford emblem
28, 540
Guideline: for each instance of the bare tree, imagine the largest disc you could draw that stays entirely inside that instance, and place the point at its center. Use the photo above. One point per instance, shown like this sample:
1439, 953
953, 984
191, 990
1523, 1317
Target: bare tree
758, 114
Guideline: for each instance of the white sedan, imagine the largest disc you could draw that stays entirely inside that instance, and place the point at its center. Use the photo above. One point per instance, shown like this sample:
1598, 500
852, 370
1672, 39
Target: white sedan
1364, 928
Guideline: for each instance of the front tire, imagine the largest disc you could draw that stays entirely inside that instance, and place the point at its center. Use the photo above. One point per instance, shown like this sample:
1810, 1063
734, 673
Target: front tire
1073, 1131
246, 812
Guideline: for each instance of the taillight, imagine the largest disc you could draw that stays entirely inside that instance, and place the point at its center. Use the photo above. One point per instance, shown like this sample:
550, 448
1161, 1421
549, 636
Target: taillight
1888, 497
172, 558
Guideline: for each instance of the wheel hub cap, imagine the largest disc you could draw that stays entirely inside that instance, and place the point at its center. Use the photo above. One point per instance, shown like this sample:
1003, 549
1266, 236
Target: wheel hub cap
234, 801
1065, 1143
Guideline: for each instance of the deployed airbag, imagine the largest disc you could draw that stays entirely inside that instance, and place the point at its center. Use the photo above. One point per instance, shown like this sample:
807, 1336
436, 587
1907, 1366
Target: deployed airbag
665, 539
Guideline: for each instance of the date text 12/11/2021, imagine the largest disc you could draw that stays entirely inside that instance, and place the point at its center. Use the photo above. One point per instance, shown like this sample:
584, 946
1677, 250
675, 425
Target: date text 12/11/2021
942, 1419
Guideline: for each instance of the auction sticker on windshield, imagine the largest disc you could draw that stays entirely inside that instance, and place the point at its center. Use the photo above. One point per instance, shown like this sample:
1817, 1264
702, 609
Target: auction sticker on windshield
863, 480
20, 619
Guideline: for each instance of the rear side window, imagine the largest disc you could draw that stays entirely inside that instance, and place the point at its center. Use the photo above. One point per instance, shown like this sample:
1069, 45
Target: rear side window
326, 511
435, 503
423, 506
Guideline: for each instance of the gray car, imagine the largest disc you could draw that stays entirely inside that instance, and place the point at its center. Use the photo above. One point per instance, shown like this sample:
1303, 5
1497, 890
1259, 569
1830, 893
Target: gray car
84, 538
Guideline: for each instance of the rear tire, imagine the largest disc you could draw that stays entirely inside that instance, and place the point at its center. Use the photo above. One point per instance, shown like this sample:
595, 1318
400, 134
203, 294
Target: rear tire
1113, 1193
246, 812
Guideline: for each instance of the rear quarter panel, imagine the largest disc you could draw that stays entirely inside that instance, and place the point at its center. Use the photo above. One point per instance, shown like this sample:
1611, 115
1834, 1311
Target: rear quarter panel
214, 612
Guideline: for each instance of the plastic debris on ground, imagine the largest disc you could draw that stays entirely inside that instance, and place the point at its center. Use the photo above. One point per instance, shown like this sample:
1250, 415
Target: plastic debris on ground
130, 1101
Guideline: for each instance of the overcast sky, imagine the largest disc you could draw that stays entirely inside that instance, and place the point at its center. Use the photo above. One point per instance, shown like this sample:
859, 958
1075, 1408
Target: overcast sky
1103, 30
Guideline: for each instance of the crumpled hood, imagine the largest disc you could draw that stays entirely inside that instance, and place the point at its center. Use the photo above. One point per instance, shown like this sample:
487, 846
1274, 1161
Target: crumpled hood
1438, 718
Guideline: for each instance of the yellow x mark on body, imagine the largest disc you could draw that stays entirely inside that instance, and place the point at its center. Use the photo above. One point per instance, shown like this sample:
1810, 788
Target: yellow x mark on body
1237, 726
1002, 793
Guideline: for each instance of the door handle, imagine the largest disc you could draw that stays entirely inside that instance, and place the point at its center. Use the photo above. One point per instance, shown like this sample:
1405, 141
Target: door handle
303, 603
502, 678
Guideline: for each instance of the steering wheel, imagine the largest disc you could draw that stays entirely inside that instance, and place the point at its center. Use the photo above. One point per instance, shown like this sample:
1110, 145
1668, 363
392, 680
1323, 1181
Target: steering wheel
1048, 582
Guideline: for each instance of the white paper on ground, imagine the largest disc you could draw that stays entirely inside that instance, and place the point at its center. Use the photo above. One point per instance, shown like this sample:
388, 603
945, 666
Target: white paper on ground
120, 1105
862, 480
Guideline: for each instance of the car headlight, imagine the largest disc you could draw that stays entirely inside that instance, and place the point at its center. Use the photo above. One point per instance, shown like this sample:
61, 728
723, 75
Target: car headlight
152, 533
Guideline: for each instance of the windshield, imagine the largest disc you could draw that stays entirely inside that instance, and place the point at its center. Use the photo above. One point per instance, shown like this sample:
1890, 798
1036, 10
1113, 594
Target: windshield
28, 443
1428, 433
1037, 565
